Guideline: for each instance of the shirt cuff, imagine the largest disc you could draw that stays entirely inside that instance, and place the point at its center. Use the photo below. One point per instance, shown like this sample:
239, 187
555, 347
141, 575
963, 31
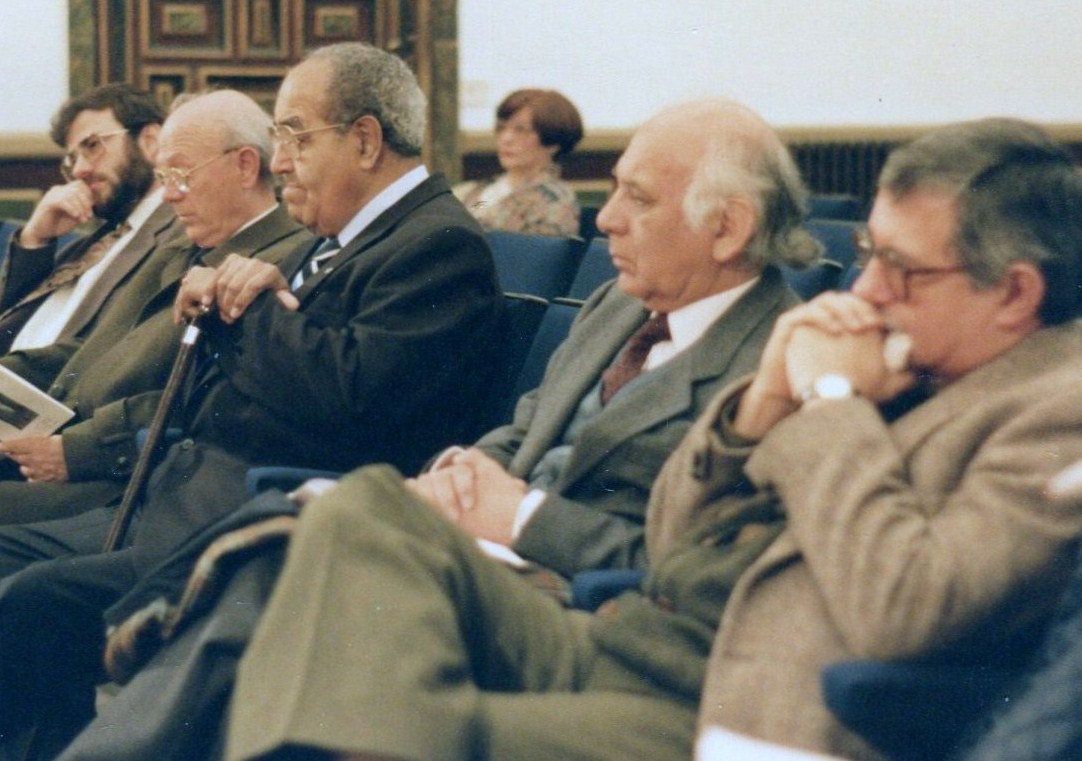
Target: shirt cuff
526, 509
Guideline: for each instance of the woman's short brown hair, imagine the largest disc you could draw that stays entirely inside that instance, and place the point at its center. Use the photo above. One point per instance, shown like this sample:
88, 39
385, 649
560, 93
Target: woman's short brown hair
555, 118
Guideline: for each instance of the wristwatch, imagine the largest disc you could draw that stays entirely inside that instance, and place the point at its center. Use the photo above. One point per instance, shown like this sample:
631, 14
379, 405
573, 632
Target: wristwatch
830, 386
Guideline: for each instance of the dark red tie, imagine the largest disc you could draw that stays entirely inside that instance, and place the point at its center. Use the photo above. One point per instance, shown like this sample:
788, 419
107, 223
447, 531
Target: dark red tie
631, 360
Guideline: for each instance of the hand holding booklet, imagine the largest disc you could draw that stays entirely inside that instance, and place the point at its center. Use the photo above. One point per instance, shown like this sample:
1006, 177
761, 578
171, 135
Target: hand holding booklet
25, 410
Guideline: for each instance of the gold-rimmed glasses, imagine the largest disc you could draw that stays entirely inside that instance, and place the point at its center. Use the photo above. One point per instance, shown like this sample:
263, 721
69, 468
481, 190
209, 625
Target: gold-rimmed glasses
90, 148
181, 178
897, 272
290, 140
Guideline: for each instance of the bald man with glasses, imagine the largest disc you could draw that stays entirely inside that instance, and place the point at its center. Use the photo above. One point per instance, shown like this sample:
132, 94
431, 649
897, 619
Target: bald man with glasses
49, 294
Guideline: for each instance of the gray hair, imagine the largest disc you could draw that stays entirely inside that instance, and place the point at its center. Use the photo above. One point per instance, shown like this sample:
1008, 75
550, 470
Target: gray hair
236, 120
367, 81
746, 159
1018, 196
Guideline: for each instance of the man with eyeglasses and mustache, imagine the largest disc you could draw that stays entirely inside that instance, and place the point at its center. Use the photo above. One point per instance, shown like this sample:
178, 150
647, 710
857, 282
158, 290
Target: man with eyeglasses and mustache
110, 136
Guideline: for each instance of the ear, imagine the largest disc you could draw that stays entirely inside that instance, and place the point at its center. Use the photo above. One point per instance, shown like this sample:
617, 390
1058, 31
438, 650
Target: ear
369, 135
249, 166
147, 140
734, 229
1023, 293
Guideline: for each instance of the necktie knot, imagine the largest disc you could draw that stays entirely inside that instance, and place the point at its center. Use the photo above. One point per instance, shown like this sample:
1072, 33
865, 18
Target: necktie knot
631, 361
70, 271
327, 249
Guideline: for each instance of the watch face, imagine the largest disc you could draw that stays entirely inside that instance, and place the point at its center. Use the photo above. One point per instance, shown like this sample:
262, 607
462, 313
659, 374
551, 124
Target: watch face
833, 387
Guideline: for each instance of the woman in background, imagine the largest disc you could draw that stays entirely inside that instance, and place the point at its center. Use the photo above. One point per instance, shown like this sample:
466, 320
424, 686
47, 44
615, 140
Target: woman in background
534, 128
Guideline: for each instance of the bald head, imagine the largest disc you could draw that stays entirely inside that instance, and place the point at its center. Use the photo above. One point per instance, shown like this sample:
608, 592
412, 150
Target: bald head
225, 119
734, 153
214, 155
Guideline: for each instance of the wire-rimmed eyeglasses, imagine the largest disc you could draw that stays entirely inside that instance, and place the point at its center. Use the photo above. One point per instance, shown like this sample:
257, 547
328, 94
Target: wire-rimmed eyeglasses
90, 148
896, 270
181, 178
290, 140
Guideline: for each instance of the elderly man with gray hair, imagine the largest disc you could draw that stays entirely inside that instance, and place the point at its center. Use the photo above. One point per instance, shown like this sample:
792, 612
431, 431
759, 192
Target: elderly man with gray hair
875, 489
370, 344
214, 169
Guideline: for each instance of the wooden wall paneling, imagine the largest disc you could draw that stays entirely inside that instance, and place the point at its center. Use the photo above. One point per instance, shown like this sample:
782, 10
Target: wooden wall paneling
263, 31
169, 29
260, 83
439, 45
324, 22
166, 82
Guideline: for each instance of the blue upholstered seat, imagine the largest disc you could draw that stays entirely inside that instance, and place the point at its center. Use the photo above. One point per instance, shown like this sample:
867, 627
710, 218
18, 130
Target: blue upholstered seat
537, 265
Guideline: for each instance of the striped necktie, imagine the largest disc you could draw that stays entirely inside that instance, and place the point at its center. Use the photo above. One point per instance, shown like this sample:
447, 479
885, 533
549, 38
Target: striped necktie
324, 251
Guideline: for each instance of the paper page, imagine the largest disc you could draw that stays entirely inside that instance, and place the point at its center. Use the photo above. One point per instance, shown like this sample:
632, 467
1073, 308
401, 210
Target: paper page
25, 410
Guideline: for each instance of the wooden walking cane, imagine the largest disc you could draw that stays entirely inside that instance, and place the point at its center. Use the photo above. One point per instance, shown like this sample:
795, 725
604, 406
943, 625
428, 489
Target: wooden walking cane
141, 471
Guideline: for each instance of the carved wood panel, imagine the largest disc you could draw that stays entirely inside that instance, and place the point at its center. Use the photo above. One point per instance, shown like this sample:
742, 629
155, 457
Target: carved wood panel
173, 46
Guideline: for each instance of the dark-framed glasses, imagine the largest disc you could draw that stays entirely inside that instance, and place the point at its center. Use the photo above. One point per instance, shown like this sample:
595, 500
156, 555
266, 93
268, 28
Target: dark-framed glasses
897, 272
90, 148
181, 178
290, 140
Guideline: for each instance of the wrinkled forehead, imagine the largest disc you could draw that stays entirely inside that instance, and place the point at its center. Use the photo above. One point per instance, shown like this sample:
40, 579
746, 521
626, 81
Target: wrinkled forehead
658, 158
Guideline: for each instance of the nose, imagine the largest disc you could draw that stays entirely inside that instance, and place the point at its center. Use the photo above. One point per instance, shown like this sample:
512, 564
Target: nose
607, 218
872, 285
280, 161
83, 167
170, 192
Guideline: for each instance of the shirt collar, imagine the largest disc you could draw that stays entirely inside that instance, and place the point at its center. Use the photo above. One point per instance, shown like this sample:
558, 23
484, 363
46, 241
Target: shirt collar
386, 198
688, 323
147, 206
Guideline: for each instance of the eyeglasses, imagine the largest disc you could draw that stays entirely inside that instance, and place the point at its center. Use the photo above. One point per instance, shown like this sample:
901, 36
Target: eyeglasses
90, 148
517, 130
896, 271
181, 178
289, 139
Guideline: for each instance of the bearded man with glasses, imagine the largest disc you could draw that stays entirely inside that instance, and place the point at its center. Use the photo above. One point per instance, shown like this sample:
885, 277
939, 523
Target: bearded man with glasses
110, 138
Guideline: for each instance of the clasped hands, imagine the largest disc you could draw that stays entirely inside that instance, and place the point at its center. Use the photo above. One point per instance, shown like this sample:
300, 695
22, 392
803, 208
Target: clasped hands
466, 486
473, 491
230, 288
835, 333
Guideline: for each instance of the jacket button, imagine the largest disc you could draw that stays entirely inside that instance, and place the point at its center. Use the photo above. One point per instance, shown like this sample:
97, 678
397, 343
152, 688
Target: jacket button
701, 465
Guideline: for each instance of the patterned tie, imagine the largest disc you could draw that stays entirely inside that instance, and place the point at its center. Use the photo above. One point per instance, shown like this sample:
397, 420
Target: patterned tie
69, 272
326, 250
631, 361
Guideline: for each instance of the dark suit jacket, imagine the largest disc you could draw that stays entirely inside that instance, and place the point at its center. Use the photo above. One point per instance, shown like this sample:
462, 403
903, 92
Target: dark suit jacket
24, 269
383, 362
113, 379
594, 517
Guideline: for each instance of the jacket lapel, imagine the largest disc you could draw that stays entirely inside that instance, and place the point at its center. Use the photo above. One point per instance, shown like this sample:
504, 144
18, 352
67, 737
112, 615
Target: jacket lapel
669, 395
380, 227
145, 240
586, 355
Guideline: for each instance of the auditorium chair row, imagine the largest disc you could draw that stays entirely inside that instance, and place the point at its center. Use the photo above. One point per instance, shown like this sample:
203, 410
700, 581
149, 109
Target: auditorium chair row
550, 267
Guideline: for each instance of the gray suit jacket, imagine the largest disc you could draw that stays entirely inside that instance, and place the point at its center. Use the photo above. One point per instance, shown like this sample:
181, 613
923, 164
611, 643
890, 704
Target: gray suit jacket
113, 379
594, 516
24, 269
